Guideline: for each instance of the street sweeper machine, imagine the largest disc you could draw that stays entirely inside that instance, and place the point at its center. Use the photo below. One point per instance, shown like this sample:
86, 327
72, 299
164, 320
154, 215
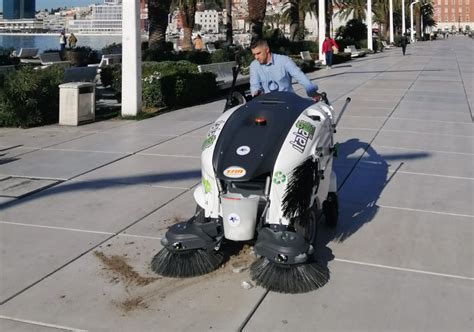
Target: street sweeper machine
266, 177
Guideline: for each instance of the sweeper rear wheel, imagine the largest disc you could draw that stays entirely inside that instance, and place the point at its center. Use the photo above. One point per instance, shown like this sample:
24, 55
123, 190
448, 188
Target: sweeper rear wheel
331, 210
308, 226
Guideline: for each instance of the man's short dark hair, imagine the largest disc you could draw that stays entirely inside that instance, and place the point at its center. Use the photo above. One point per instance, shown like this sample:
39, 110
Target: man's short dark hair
258, 43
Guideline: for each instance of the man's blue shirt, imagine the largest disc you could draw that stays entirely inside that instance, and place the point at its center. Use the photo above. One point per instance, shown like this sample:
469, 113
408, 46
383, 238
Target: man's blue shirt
276, 75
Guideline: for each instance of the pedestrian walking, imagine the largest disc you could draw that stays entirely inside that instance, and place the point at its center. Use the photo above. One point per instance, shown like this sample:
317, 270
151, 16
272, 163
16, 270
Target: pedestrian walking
329, 48
403, 43
62, 41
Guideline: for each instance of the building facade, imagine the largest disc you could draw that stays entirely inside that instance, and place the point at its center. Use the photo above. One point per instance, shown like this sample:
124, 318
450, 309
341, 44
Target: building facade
105, 18
19, 9
454, 14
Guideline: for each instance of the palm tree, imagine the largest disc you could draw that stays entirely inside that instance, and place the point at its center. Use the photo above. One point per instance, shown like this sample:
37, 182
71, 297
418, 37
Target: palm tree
187, 9
257, 10
158, 11
291, 15
352, 9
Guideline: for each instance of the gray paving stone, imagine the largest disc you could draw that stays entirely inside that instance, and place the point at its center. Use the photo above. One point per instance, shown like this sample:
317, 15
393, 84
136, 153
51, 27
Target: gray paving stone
421, 161
9, 153
88, 205
411, 191
180, 209
57, 164
165, 171
28, 254
362, 122
409, 113
112, 142
16, 326
18, 187
401, 238
188, 146
432, 127
425, 141
157, 126
36, 138
392, 300
215, 301
93, 127
433, 106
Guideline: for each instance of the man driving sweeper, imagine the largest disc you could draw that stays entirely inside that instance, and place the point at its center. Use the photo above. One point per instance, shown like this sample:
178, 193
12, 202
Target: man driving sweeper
274, 72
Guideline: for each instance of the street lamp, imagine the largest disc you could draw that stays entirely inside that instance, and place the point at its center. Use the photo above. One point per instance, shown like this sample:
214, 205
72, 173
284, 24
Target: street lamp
369, 24
412, 39
391, 20
321, 27
403, 18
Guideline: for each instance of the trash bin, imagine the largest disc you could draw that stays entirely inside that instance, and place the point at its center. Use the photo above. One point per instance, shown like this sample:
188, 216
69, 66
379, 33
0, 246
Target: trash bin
76, 103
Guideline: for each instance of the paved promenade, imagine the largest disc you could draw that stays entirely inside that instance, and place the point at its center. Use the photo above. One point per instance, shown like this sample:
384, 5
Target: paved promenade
82, 210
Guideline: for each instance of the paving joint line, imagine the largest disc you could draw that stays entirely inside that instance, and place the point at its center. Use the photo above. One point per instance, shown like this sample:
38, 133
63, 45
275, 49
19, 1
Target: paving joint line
396, 268
90, 249
37, 323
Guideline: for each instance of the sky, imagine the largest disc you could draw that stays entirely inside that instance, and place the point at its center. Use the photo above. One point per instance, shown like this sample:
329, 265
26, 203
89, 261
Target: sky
41, 4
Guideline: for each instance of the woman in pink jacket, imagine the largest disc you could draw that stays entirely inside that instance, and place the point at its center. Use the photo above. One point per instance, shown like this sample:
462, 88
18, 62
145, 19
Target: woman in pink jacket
329, 46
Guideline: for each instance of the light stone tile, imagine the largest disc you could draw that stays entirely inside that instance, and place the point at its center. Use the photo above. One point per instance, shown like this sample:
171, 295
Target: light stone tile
28, 254
36, 138
152, 170
431, 115
88, 205
425, 141
188, 146
430, 127
215, 301
370, 299
402, 238
57, 164
112, 143
411, 191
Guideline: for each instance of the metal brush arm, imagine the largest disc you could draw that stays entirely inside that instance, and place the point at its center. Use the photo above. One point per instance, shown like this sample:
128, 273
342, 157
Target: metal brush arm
348, 100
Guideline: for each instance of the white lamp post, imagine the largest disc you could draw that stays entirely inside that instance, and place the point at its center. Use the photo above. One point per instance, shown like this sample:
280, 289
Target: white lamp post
412, 39
369, 24
403, 18
390, 9
321, 27
131, 58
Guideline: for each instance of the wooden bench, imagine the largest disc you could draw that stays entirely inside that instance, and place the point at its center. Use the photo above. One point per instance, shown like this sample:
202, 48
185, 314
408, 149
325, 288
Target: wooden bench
210, 47
306, 56
355, 53
52, 58
80, 74
27, 53
6, 69
224, 76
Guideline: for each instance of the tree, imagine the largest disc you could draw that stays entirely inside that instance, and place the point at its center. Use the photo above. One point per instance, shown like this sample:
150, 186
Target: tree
158, 11
187, 10
352, 9
257, 10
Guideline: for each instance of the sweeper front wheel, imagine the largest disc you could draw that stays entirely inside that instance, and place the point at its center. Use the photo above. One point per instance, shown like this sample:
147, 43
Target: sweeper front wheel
331, 210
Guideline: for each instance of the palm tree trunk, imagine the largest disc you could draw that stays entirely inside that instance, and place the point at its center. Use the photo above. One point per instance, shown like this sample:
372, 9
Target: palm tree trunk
417, 15
257, 10
301, 19
158, 11
187, 9
229, 32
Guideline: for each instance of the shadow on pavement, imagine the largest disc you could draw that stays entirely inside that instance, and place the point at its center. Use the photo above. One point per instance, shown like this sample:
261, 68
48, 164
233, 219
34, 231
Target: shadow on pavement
108, 183
358, 191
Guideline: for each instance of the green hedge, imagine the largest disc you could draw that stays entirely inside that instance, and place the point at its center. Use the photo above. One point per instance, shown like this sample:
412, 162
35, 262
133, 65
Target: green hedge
166, 84
30, 97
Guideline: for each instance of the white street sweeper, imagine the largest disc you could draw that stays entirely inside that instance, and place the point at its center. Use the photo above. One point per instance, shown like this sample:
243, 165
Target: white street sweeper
266, 176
